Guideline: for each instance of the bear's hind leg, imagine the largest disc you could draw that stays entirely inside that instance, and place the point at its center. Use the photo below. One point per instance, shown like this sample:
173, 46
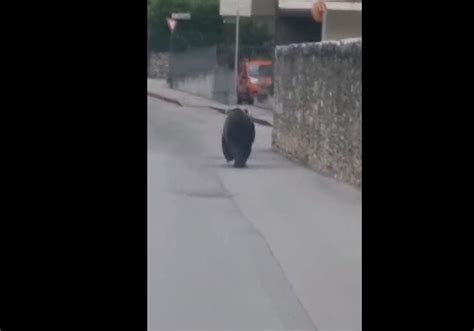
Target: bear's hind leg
225, 150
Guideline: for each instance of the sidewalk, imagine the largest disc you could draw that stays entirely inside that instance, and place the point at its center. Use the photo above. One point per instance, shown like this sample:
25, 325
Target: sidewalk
159, 89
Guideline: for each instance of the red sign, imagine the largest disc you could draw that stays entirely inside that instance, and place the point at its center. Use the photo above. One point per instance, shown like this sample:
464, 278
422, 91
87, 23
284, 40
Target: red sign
318, 10
171, 23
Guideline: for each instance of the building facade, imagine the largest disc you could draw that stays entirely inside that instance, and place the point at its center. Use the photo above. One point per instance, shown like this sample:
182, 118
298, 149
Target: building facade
293, 21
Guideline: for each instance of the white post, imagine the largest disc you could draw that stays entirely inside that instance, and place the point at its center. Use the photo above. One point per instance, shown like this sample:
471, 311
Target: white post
323, 26
236, 62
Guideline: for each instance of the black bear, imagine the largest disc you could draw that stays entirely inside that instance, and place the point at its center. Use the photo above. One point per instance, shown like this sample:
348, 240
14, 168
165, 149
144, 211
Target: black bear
237, 137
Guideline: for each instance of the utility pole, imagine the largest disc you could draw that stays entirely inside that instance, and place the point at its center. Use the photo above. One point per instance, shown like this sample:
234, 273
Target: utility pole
236, 62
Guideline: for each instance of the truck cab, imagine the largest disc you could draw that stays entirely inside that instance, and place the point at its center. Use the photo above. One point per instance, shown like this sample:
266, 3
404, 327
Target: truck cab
255, 80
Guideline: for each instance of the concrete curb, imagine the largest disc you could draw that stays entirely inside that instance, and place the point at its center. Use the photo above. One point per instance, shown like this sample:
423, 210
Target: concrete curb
175, 101
222, 110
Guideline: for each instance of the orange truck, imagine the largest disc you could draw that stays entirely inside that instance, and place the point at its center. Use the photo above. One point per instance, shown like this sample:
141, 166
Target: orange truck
255, 81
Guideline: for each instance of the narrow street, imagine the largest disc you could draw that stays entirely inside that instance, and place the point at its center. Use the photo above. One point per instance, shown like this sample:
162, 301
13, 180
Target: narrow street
274, 246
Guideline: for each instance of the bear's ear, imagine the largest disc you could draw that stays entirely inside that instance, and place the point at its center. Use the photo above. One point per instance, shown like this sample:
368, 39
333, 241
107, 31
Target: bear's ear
246, 111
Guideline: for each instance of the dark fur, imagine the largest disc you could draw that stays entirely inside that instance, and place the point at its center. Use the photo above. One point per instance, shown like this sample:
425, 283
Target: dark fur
237, 137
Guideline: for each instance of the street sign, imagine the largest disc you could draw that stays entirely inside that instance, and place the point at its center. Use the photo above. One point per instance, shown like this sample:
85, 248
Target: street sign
171, 23
318, 10
181, 16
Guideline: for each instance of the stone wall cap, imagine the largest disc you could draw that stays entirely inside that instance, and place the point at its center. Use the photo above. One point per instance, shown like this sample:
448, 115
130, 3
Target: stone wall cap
336, 5
317, 46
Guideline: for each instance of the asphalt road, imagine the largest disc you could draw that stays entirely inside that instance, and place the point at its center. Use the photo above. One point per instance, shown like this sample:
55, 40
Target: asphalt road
274, 246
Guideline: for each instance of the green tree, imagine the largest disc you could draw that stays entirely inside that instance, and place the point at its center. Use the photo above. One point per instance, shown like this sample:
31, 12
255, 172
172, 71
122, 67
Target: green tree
204, 28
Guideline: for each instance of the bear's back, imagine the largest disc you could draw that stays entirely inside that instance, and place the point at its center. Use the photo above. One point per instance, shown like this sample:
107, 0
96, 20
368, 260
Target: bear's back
239, 127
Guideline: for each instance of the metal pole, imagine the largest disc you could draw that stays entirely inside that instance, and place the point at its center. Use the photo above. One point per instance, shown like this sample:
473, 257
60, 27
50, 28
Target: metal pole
323, 26
170, 60
236, 62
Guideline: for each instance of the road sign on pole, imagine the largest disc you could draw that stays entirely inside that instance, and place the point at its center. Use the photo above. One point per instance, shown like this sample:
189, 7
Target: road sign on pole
181, 16
171, 23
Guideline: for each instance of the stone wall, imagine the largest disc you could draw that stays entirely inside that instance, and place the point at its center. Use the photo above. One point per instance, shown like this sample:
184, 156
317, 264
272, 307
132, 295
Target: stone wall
198, 71
318, 111
215, 85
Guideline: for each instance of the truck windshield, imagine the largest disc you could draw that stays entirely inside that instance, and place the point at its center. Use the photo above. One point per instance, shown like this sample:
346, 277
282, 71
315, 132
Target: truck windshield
253, 71
260, 71
265, 71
